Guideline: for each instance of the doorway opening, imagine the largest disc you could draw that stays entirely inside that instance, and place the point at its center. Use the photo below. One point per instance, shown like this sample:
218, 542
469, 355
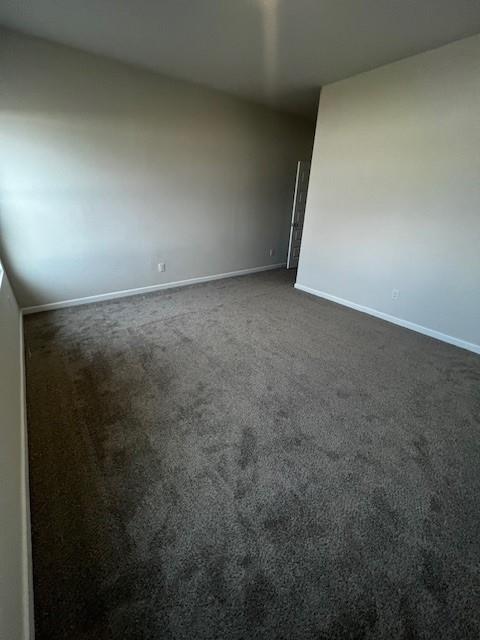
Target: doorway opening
298, 213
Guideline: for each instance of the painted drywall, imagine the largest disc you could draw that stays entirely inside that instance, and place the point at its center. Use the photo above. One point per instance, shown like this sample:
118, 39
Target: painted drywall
107, 170
15, 586
394, 195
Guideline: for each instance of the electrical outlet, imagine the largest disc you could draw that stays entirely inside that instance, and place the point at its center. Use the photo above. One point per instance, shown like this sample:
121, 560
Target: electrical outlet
272, 252
161, 267
395, 294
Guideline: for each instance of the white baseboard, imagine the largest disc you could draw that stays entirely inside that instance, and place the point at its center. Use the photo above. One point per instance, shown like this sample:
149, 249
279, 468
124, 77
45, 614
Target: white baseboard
27, 577
156, 287
463, 344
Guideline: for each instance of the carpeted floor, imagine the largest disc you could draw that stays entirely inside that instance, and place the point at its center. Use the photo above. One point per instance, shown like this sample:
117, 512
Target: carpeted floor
239, 460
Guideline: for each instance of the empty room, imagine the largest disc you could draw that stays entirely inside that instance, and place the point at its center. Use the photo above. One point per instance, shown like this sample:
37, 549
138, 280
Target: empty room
240, 320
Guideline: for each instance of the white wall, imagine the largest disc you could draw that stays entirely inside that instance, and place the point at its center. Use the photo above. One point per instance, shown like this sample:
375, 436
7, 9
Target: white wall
106, 170
394, 197
15, 587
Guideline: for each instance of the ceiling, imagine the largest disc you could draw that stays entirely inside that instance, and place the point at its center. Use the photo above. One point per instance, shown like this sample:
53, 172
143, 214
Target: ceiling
278, 52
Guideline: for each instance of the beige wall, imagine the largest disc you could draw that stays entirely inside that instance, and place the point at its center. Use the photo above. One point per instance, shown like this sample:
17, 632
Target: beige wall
394, 197
106, 170
13, 544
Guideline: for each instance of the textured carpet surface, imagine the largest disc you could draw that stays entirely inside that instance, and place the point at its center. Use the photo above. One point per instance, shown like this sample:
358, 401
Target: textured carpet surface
241, 460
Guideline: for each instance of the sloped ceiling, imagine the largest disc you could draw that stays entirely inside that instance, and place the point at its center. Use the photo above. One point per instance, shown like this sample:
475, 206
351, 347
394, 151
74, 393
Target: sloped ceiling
278, 52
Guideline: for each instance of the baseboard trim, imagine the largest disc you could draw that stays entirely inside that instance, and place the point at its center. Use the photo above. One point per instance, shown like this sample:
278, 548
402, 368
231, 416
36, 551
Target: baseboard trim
27, 576
51, 306
463, 344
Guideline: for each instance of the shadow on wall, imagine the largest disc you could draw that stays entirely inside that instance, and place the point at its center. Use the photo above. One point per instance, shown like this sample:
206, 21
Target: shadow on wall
5, 261
18, 283
107, 170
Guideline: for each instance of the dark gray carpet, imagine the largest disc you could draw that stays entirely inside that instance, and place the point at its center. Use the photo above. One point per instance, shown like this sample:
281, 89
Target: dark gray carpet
241, 460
